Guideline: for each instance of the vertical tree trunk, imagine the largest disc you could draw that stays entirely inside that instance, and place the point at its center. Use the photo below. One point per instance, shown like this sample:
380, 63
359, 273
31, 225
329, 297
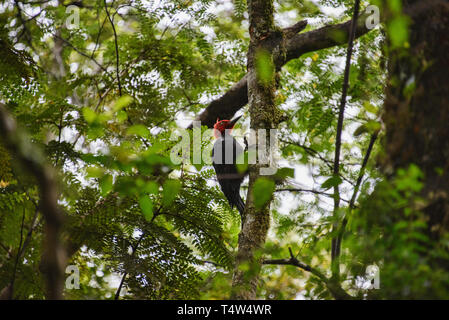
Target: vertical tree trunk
32, 159
416, 118
264, 115
417, 106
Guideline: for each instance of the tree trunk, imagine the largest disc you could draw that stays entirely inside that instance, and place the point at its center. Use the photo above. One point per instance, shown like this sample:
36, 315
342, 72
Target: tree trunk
416, 118
296, 44
264, 115
417, 107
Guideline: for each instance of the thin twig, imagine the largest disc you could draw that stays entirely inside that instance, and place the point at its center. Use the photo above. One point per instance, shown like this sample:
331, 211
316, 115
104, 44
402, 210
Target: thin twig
81, 53
125, 274
19, 250
336, 168
334, 288
98, 38
310, 151
32, 159
355, 193
134, 250
330, 195
116, 49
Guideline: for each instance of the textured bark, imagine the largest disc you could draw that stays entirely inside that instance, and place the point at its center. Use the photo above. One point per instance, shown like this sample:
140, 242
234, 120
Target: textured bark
417, 121
32, 159
264, 115
295, 45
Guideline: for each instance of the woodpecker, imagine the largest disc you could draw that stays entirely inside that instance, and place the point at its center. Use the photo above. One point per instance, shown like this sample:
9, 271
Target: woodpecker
224, 154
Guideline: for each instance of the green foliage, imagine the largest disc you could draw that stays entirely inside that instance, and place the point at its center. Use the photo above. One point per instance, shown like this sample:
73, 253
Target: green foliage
170, 191
331, 182
119, 187
167, 229
147, 207
392, 231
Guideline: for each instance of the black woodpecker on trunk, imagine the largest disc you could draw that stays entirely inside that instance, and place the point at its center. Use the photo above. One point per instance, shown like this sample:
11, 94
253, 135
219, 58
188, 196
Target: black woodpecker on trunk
224, 154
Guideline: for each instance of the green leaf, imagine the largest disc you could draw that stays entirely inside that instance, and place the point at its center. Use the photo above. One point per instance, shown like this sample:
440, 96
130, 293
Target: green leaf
95, 132
242, 167
94, 172
409, 179
122, 102
263, 190
353, 75
370, 127
331, 182
139, 130
198, 166
146, 205
170, 191
105, 184
126, 186
370, 108
285, 172
243, 158
373, 126
360, 130
155, 159
242, 163
395, 6
150, 187
398, 31
89, 115
122, 116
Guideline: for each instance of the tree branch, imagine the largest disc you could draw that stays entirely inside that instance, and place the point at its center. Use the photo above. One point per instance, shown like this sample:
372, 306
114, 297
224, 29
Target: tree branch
334, 288
237, 96
116, 49
19, 144
355, 193
125, 274
330, 195
341, 113
134, 250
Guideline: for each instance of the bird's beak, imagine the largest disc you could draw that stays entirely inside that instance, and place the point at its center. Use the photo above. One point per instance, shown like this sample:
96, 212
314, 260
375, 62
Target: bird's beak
232, 122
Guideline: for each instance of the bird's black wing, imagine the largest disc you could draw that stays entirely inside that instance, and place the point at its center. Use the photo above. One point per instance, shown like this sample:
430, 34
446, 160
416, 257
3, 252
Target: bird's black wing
224, 154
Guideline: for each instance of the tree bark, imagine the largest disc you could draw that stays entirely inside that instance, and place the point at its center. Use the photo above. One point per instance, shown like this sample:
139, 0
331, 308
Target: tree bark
264, 115
416, 118
33, 160
295, 45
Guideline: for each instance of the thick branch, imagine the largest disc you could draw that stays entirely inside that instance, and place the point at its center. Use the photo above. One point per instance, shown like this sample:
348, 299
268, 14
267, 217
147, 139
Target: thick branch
237, 97
18, 143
